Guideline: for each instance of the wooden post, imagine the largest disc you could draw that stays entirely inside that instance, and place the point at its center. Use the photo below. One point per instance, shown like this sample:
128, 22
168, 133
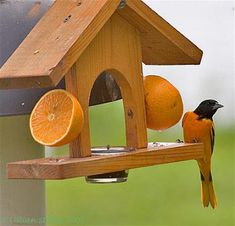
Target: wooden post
75, 150
22, 202
117, 50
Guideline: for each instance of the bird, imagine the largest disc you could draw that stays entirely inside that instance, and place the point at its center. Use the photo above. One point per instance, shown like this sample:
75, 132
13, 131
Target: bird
198, 126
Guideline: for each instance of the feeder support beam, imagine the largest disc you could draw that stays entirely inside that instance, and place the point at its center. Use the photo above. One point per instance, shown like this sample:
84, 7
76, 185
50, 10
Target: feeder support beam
21, 201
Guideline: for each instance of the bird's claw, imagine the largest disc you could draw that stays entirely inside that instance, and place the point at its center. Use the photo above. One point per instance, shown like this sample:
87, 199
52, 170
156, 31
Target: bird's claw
179, 141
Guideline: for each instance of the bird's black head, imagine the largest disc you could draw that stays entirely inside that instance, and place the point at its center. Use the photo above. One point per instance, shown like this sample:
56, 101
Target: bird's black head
207, 109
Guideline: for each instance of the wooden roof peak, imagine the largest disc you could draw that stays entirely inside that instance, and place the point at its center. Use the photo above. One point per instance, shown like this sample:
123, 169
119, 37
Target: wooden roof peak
68, 27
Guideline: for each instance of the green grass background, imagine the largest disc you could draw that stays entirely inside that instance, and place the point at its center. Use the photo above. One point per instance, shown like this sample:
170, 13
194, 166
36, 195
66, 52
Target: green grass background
166, 194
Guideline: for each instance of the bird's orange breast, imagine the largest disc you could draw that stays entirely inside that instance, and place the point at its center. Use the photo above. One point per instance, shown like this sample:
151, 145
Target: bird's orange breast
197, 130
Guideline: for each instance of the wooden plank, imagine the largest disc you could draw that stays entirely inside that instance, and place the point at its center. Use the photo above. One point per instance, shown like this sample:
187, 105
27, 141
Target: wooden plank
161, 43
127, 71
55, 43
75, 150
68, 27
62, 168
116, 49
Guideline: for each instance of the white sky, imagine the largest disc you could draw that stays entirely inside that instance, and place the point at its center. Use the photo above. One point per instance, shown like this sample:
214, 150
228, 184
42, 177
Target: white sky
210, 25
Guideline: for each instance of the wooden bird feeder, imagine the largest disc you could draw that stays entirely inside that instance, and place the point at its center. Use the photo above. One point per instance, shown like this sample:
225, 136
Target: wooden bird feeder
78, 41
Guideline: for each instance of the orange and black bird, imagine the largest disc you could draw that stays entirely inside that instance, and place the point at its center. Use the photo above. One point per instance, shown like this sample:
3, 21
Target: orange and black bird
198, 126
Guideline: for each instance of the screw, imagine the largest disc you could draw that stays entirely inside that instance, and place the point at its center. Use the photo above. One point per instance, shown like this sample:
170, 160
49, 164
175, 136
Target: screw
130, 113
38, 83
122, 4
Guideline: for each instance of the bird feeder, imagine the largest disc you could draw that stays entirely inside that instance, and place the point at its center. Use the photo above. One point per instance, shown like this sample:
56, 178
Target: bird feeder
79, 41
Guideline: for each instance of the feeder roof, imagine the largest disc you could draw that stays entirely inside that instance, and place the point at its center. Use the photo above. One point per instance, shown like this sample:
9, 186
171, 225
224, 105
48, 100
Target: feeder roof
68, 27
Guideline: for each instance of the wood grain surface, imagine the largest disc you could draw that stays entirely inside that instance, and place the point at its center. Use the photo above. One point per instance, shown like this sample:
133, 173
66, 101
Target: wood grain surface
64, 167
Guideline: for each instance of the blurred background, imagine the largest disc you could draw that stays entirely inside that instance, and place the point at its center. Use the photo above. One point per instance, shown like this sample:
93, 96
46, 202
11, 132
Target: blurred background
165, 194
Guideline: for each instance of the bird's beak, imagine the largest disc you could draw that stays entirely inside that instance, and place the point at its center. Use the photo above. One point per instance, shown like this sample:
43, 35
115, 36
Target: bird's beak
217, 106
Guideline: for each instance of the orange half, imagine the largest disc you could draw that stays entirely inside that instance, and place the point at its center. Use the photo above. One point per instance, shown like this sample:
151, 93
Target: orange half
56, 119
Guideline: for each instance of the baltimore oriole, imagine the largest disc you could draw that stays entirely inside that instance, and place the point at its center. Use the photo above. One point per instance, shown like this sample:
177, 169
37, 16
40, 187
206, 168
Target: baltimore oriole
198, 126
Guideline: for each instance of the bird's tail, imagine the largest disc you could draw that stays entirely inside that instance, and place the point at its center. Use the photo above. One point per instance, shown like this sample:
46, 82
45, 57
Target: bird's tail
207, 191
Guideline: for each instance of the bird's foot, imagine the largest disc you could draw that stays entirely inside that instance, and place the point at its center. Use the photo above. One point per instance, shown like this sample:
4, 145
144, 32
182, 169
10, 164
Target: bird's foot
179, 141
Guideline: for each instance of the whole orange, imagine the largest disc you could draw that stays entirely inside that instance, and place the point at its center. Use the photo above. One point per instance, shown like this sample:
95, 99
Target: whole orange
163, 102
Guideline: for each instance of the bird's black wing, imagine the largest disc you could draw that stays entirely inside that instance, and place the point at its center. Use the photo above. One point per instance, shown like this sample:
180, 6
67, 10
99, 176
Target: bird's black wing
212, 138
